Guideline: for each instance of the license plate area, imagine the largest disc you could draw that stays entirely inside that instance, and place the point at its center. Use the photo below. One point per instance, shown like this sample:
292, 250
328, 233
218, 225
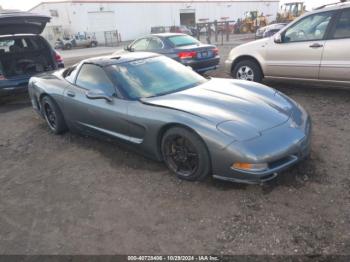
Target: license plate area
205, 54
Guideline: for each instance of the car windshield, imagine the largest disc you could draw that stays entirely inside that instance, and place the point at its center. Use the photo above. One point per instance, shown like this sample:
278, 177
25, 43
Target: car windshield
182, 40
154, 76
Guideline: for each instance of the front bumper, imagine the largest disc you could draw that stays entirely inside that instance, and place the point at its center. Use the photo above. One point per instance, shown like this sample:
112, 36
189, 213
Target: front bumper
280, 147
228, 66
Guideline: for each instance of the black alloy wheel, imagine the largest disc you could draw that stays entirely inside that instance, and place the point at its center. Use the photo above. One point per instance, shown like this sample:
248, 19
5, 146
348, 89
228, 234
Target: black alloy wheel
185, 154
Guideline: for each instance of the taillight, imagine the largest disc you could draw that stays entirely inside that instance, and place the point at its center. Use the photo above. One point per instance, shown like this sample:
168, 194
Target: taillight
216, 51
2, 77
58, 57
187, 54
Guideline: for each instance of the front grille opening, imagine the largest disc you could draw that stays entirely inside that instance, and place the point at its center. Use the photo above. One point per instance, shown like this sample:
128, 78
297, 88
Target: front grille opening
280, 162
267, 176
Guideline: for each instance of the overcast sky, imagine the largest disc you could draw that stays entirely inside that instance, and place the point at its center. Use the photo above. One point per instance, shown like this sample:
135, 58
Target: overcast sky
27, 4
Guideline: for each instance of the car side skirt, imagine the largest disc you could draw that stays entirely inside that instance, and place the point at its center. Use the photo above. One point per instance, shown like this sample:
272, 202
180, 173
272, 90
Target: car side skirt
310, 80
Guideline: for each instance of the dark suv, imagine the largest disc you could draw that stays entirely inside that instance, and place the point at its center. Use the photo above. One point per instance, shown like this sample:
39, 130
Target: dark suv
23, 52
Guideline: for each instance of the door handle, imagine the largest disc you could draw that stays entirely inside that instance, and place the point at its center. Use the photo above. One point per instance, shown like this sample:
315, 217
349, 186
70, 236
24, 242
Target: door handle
316, 45
70, 93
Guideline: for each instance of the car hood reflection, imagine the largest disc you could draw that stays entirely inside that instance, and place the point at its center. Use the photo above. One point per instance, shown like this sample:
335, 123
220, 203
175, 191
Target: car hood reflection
220, 100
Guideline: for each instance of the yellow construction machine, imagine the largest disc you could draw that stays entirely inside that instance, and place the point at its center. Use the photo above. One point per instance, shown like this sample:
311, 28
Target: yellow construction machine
252, 21
290, 11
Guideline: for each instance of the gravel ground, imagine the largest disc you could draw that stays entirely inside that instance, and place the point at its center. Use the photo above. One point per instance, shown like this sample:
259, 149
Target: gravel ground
71, 194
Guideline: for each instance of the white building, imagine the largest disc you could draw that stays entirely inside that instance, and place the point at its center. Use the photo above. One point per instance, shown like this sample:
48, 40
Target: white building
135, 18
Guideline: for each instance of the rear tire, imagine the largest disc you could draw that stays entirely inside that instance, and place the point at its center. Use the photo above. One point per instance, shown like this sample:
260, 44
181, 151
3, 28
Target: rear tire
247, 70
185, 154
53, 116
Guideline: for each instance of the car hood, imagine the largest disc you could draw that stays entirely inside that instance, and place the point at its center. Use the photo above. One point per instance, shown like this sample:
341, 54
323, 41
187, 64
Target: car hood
12, 22
245, 103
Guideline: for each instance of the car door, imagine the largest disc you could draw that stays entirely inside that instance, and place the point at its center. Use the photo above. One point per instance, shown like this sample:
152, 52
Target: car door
335, 64
93, 114
298, 52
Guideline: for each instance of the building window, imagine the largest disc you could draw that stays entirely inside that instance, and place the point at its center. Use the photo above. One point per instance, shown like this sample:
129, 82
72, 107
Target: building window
54, 13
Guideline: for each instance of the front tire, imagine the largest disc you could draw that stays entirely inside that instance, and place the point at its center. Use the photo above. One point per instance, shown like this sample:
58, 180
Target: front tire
185, 154
247, 70
68, 46
53, 116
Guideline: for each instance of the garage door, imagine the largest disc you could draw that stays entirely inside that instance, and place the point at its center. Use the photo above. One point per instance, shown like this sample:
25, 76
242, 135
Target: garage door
102, 21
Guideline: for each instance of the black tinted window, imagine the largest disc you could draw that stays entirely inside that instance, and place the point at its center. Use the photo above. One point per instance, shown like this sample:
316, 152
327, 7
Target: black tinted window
94, 77
342, 28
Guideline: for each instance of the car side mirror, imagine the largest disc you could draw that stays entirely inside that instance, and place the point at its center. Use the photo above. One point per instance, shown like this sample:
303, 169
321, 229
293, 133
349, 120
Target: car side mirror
278, 39
129, 48
98, 94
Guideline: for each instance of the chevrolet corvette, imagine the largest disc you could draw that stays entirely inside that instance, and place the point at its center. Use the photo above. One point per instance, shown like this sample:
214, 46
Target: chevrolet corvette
234, 130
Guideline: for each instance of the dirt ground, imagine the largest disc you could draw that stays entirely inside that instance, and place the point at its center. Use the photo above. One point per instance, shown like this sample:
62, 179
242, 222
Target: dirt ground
71, 194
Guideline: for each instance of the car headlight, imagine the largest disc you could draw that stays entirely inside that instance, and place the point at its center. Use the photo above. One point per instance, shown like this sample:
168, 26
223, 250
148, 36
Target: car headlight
250, 166
237, 130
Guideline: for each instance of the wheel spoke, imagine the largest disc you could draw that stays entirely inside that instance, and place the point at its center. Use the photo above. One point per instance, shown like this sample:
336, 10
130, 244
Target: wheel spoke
245, 73
181, 155
191, 154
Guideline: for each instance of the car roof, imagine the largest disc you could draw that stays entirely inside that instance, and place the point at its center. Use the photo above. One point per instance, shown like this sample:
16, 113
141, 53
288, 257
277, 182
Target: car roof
118, 58
331, 7
167, 34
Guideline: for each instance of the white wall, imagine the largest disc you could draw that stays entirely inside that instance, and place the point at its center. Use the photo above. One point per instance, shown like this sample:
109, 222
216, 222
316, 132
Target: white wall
133, 20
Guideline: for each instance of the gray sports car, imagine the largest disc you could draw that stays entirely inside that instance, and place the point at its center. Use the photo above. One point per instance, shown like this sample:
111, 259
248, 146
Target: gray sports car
235, 130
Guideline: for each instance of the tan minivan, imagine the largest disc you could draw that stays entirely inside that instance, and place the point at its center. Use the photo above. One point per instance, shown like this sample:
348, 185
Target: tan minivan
314, 48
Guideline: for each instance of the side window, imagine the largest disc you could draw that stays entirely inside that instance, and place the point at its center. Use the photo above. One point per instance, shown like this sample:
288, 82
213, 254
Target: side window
70, 74
140, 44
342, 27
311, 28
94, 77
155, 43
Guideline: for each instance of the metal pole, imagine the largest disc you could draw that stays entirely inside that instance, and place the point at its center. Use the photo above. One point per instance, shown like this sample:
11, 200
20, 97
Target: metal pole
198, 32
216, 30
208, 33
227, 32
222, 37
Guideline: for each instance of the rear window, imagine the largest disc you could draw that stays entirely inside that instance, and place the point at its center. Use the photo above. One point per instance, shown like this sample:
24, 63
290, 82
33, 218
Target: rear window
183, 40
20, 45
5, 45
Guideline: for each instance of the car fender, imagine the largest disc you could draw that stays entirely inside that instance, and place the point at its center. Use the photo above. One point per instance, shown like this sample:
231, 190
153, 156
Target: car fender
255, 50
46, 84
156, 120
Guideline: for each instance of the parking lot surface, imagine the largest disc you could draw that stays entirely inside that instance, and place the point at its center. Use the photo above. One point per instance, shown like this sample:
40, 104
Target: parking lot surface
72, 194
